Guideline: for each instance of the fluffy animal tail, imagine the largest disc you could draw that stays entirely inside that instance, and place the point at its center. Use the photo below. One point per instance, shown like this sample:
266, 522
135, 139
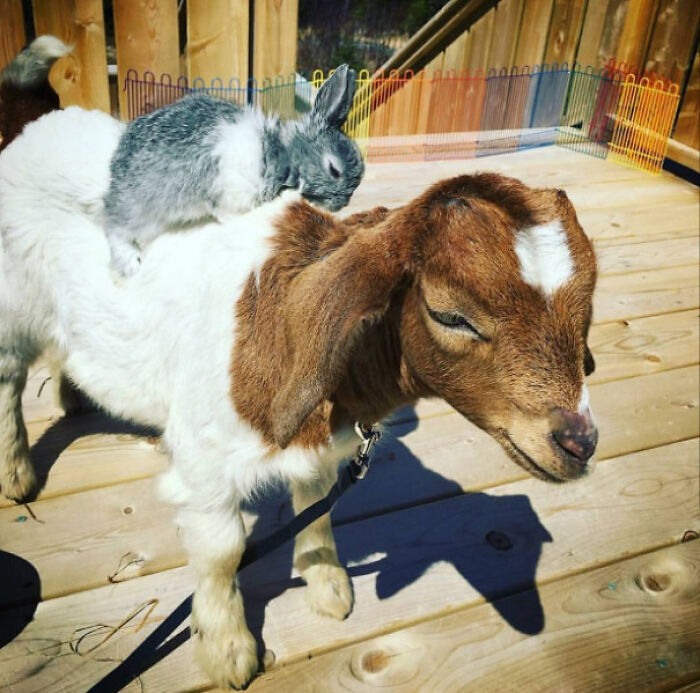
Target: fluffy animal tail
25, 92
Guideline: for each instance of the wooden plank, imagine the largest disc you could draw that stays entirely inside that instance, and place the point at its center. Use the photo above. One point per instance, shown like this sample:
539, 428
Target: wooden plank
506, 27
684, 155
275, 38
455, 54
612, 29
129, 532
480, 35
415, 564
687, 129
670, 51
146, 34
642, 607
629, 348
532, 37
217, 40
12, 35
652, 292
636, 31
564, 31
623, 257
82, 80
591, 34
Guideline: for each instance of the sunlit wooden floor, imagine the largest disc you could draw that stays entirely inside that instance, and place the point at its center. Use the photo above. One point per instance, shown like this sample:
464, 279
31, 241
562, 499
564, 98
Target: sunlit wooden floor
468, 575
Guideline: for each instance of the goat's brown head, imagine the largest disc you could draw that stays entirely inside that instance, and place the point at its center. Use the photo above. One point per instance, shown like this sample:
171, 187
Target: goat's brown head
489, 284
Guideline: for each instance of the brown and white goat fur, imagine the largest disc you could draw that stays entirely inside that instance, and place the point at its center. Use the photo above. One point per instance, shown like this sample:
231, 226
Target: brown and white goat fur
256, 346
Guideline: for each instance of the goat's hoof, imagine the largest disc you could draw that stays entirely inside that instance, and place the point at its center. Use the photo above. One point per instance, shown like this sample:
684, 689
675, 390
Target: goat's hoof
18, 480
328, 591
229, 659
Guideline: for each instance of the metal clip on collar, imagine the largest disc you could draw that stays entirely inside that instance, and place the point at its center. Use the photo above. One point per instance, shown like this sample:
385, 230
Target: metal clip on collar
369, 436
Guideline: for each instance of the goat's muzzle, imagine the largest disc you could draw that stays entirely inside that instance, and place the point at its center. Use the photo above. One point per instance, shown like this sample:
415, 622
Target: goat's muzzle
574, 435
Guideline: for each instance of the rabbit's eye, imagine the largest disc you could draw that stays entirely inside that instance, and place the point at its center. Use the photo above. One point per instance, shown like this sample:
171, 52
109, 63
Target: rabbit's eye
333, 170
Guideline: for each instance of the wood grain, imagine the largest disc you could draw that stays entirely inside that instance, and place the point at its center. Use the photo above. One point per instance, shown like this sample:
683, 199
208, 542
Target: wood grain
564, 31
687, 129
642, 605
217, 40
435, 560
532, 38
12, 34
480, 39
591, 34
636, 31
506, 27
80, 78
670, 51
275, 38
146, 34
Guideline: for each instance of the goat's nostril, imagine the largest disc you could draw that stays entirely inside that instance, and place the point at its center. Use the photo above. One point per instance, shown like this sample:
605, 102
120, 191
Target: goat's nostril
580, 444
575, 433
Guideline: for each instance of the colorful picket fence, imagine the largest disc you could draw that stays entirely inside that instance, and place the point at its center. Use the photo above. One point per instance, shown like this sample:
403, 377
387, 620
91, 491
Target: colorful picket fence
614, 112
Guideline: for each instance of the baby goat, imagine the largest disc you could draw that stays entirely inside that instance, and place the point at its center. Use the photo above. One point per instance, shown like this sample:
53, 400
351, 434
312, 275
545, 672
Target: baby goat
255, 347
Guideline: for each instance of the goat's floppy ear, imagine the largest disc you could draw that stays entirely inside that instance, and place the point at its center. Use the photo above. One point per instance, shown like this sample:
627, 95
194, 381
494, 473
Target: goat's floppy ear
329, 305
334, 98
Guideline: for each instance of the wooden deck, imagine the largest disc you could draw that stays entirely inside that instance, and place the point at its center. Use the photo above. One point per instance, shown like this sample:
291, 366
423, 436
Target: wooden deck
468, 575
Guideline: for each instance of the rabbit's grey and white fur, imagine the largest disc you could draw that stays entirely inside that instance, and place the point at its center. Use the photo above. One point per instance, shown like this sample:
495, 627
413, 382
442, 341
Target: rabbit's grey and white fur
202, 157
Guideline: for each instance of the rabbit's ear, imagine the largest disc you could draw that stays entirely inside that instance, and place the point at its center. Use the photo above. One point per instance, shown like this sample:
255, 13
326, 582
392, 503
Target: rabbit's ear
334, 98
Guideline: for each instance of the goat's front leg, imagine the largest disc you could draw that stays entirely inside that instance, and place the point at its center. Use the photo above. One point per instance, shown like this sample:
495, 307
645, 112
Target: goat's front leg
225, 648
328, 591
17, 477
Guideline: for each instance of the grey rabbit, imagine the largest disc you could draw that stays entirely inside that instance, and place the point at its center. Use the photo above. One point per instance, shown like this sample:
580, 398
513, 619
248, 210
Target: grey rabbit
202, 157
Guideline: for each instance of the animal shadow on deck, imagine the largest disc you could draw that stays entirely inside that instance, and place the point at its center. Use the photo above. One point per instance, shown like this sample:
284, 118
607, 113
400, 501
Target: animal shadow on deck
493, 541
67, 429
20, 592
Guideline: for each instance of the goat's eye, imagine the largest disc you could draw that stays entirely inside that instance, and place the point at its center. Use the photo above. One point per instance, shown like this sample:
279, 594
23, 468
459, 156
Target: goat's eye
454, 321
333, 170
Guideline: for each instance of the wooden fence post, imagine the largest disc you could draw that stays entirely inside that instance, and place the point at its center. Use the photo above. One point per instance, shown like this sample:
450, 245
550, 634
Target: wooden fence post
275, 38
147, 37
12, 37
83, 79
217, 39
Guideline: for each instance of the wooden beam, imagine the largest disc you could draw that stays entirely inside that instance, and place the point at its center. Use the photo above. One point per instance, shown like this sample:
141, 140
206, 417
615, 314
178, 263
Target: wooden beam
80, 78
217, 39
146, 33
12, 36
687, 130
436, 34
275, 38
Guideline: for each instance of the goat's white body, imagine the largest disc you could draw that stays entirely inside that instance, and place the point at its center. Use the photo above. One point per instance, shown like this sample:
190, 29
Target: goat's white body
156, 348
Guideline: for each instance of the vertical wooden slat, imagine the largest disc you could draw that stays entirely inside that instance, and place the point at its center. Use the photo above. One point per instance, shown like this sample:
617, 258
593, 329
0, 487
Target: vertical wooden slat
636, 31
671, 47
146, 33
275, 38
82, 80
481, 42
505, 33
564, 31
455, 53
532, 38
217, 39
592, 33
688, 125
612, 30
12, 36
